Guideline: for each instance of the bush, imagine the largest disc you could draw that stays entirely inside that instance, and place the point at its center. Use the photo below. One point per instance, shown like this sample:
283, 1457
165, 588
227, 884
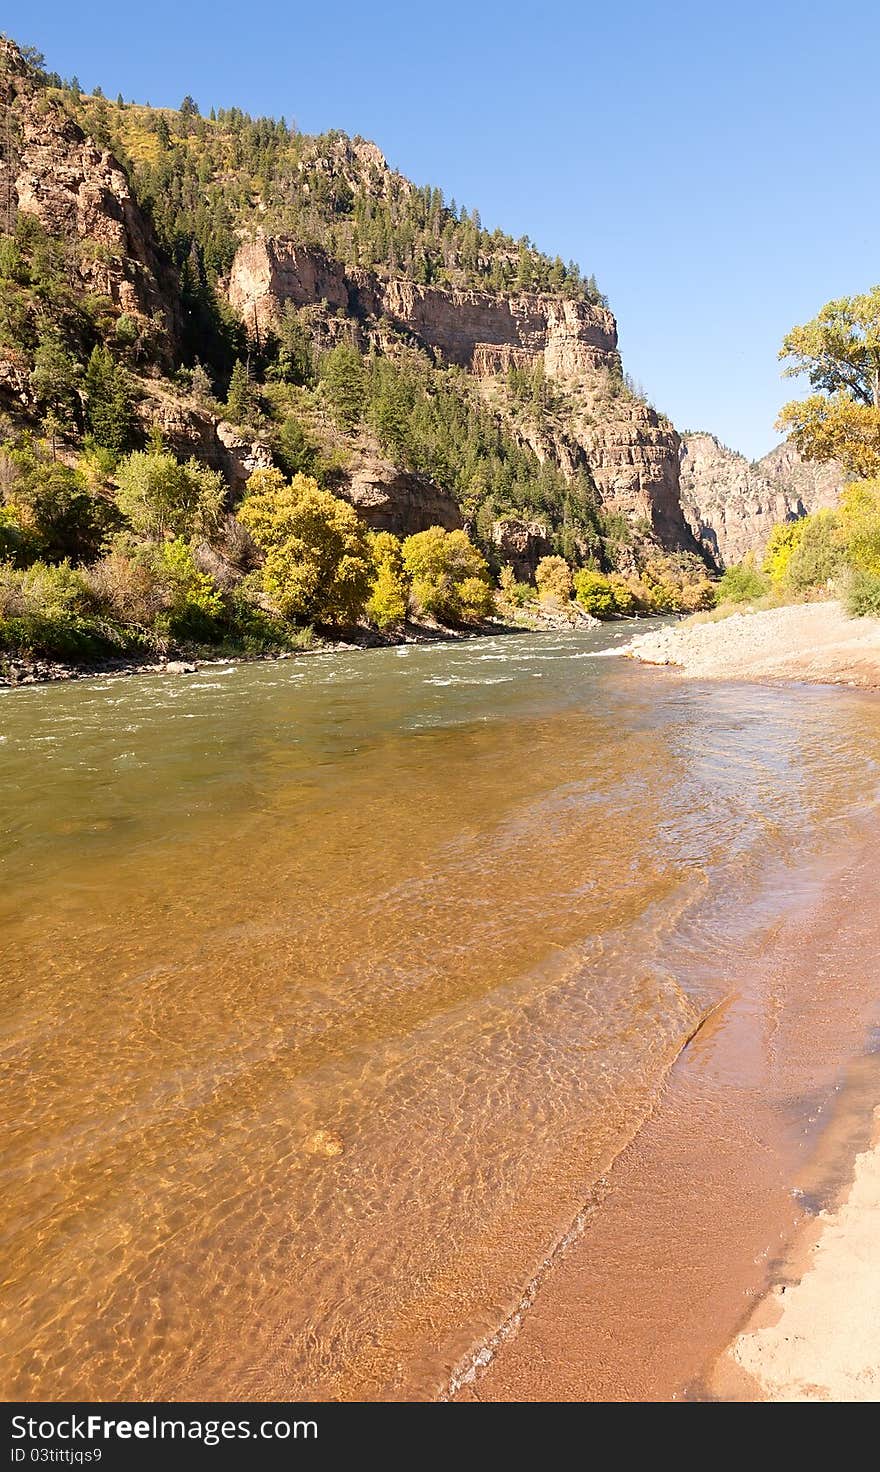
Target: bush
16, 546
818, 555
860, 524
256, 630
553, 577
862, 597
45, 609
624, 597
697, 597
160, 496
126, 588
192, 605
387, 603
318, 563
784, 539
595, 593
516, 594
55, 515
298, 454
445, 568
42, 588
742, 583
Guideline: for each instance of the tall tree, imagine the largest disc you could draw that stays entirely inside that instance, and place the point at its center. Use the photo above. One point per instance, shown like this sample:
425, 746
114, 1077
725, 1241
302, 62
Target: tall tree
109, 410
840, 352
240, 399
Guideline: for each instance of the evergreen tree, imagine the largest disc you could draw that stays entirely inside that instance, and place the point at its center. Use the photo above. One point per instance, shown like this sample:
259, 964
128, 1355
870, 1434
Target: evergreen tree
240, 398
55, 381
109, 408
342, 373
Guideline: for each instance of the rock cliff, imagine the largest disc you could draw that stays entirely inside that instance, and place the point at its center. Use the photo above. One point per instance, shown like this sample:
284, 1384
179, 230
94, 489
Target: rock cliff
732, 504
52, 170
689, 494
631, 453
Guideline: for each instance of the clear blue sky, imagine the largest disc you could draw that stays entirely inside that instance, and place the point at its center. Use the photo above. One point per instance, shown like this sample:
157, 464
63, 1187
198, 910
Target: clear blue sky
715, 166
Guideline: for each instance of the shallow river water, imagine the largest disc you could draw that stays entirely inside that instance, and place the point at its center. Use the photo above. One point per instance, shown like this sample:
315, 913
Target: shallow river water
333, 985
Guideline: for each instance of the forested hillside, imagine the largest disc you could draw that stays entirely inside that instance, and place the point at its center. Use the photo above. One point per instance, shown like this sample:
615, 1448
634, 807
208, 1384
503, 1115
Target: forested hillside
196, 311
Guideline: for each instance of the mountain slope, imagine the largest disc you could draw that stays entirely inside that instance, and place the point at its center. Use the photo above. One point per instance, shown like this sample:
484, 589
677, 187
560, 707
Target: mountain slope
732, 504
231, 290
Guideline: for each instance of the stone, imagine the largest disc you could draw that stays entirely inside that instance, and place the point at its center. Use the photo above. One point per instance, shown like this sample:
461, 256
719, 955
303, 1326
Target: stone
521, 544
389, 498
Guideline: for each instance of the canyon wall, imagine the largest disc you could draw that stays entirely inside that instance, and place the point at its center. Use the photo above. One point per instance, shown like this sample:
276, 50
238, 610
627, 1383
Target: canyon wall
732, 504
631, 452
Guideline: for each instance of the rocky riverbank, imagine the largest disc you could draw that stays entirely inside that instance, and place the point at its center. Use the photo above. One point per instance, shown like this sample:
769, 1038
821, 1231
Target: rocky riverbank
812, 642
33, 669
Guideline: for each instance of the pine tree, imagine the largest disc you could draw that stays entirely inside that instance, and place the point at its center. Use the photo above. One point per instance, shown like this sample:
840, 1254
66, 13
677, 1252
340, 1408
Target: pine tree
342, 373
109, 410
240, 399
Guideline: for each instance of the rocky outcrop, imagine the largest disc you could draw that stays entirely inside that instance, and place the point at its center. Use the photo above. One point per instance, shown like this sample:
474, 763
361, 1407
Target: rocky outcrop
390, 499
633, 456
479, 330
521, 544
189, 430
631, 453
50, 169
732, 504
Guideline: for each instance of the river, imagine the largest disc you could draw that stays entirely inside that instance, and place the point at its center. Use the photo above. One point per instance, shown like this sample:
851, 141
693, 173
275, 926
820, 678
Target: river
333, 986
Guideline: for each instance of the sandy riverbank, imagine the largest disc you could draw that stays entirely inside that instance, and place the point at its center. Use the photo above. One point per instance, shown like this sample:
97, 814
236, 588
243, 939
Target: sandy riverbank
815, 642
709, 1221
818, 1338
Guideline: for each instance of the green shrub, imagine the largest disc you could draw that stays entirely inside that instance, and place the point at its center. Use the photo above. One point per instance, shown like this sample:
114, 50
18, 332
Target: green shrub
818, 554
862, 597
742, 583
595, 593
192, 603
50, 505
47, 609
160, 496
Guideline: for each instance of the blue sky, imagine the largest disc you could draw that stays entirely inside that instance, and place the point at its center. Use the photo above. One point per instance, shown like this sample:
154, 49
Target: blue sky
716, 168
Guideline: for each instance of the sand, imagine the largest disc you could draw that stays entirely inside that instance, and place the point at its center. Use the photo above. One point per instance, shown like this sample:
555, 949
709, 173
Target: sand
815, 642
819, 1339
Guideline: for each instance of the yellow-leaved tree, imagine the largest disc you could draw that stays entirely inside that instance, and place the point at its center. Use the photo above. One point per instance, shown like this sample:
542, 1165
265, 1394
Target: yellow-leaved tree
389, 596
450, 577
318, 564
840, 352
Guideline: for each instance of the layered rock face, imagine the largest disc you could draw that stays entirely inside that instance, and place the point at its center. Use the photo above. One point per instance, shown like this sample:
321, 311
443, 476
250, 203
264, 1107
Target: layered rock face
52, 170
732, 504
631, 453
477, 330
